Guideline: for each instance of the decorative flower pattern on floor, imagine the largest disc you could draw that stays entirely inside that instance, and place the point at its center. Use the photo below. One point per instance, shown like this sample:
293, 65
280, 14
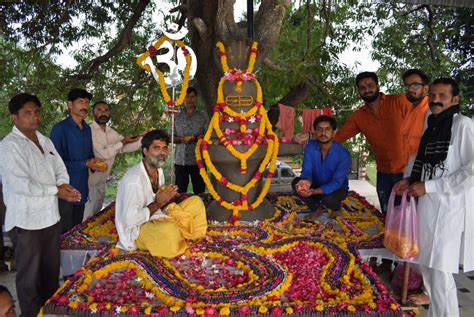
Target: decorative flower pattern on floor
281, 266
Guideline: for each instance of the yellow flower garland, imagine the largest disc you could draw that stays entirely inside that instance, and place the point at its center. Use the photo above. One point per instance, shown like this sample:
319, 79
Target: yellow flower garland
202, 155
164, 91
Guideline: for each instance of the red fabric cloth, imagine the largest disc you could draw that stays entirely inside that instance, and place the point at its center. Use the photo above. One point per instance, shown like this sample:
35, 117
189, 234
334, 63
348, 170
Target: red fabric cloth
286, 121
308, 118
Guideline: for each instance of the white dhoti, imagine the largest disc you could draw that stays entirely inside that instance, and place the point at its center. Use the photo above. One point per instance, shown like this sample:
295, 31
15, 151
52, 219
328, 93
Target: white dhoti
442, 291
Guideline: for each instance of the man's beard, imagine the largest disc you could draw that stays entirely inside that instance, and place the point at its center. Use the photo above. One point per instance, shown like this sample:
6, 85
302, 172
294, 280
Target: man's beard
414, 98
371, 98
155, 161
102, 119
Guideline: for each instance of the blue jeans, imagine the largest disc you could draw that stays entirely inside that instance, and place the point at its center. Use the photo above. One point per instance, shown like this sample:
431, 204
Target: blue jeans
385, 183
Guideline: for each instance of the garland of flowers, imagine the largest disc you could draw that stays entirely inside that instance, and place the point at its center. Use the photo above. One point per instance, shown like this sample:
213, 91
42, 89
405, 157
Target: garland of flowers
151, 52
256, 112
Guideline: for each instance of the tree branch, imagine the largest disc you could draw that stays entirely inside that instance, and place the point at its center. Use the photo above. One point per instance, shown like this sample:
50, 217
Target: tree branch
201, 27
429, 39
124, 39
272, 65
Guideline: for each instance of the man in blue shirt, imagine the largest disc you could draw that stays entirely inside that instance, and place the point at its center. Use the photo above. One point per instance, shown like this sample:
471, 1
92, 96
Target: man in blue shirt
72, 139
323, 183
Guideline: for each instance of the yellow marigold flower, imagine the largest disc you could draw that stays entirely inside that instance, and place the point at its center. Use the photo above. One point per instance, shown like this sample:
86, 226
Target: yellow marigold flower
148, 310
200, 311
73, 305
351, 308
262, 309
372, 305
394, 306
289, 310
319, 307
175, 308
225, 311
108, 305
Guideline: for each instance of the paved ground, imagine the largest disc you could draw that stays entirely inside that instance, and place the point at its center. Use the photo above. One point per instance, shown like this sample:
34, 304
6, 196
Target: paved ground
464, 281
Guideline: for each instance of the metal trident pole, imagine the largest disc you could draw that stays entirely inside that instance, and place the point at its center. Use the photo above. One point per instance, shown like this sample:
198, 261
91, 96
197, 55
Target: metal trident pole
173, 92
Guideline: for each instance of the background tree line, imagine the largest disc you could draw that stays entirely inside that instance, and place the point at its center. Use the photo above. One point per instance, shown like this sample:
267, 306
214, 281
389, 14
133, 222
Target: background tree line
300, 42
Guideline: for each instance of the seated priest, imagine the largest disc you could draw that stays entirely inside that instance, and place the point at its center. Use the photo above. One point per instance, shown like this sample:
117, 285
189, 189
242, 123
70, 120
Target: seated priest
145, 216
323, 183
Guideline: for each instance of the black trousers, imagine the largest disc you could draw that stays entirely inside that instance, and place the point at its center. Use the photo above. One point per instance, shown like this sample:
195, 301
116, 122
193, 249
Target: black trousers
183, 172
331, 201
37, 256
71, 214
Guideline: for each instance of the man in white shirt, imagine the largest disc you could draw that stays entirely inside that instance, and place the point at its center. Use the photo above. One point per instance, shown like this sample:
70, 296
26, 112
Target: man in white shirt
107, 143
443, 180
144, 217
34, 176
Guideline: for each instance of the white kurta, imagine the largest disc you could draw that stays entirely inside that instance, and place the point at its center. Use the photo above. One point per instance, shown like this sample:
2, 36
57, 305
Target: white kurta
134, 194
106, 144
30, 180
446, 211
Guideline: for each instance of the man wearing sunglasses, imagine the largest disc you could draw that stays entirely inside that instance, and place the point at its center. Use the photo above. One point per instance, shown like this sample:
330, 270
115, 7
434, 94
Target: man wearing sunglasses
417, 85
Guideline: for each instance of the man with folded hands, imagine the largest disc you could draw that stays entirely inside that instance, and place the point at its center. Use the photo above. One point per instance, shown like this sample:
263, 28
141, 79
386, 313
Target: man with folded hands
146, 216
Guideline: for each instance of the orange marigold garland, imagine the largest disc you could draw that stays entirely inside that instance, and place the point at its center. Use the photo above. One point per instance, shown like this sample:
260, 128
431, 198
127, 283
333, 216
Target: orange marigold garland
151, 52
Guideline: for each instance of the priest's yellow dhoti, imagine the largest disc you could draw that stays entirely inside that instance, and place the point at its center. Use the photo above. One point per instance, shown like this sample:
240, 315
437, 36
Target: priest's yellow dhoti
166, 237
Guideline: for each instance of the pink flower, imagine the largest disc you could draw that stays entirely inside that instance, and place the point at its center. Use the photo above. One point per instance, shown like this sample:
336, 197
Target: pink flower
244, 310
134, 310
210, 312
190, 310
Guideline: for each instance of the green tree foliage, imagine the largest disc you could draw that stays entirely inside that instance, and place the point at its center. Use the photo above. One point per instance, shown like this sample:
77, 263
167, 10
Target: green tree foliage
303, 69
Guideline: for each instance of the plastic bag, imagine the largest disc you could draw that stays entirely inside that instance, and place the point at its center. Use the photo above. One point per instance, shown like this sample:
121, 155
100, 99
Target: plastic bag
401, 228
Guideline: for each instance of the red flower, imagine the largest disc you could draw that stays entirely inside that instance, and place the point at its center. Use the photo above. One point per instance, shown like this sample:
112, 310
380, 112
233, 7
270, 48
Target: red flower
204, 145
152, 50
170, 103
200, 163
185, 51
253, 50
269, 175
277, 311
63, 300
163, 310
244, 197
224, 181
222, 54
237, 202
232, 219
190, 300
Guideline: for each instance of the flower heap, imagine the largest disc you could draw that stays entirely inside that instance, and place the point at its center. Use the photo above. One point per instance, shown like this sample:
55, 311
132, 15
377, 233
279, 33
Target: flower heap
252, 138
152, 50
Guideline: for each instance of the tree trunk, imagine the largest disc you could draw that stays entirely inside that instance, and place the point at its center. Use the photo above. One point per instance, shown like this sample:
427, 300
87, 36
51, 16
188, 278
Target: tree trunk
210, 21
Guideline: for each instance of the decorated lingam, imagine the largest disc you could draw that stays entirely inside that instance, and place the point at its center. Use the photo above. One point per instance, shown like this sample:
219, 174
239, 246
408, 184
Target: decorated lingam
239, 148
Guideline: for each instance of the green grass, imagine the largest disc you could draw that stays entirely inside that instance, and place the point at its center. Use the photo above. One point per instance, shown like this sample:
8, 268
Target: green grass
371, 173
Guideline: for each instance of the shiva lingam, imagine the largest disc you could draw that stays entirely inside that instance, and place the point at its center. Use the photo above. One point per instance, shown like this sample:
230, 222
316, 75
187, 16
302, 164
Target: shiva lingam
239, 147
